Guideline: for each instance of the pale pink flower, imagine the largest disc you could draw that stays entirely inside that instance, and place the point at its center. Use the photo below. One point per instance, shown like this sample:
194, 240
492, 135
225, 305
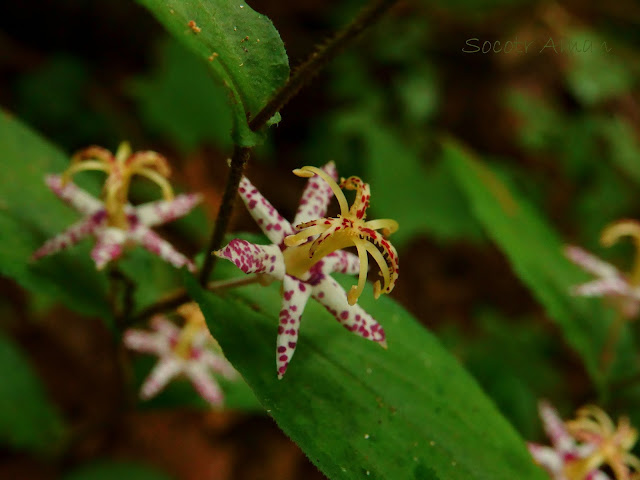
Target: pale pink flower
305, 274
190, 351
580, 447
610, 282
115, 223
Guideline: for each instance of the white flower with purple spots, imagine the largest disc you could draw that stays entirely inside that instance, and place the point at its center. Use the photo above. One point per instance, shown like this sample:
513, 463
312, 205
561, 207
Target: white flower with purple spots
565, 452
110, 240
190, 351
611, 282
302, 277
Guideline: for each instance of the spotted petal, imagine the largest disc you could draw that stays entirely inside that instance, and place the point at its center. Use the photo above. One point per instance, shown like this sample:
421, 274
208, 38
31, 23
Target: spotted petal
162, 373
330, 294
295, 294
341, 262
602, 287
164, 211
218, 364
547, 458
73, 196
144, 342
555, 428
70, 236
160, 247
590, 263
251, 258
274, 226
204, 383
316, 197
108, 246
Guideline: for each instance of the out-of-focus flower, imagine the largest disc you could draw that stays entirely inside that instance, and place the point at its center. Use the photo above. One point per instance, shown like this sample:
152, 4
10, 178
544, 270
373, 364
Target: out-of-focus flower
115, 223
625, 289
190, 351
304, 273
582, 446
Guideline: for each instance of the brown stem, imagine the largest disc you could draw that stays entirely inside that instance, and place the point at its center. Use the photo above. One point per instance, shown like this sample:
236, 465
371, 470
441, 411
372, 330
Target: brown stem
238, 162
319, 59
180, 296
609, 350
128, 286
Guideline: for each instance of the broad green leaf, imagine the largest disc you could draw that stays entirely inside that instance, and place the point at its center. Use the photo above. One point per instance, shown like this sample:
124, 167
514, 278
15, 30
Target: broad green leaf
535, 252
27, 419
241, 46
30, 214
359, 411
624, 148
111, 470
178, 100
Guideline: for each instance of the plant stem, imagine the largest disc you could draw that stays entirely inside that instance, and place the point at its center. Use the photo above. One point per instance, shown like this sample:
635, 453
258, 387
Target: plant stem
238, 162
319, 59
180, 296
121, 313
609, 350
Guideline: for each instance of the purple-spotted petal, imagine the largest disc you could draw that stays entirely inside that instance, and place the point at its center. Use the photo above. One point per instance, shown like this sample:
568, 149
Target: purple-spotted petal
316, 197
74, 196
330, 294
590, 262
204, 383
108, 246
252, 258
547, 458
219, 364
162, 325
341, 262
601, 287
145, 342
69, 237
160, 247
164, 211
554, 427
162, 373
295, 294
597, 475
274, 226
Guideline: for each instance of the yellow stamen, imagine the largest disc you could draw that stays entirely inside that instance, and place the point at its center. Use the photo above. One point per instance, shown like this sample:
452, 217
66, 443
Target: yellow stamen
356, 291
387, 226
301, 237
337, 191
625, 228
384, 268
120, 169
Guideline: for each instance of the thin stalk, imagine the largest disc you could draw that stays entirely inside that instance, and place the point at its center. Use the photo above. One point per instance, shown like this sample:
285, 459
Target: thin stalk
319, 59
180, 296
238, 162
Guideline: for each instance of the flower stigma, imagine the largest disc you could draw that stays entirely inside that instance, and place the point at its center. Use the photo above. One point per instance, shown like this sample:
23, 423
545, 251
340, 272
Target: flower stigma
119, 169
348, 229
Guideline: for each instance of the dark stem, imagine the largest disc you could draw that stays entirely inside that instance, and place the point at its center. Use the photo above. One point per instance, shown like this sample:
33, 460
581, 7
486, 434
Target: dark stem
180, 296
238, 162
119, 281
319, 59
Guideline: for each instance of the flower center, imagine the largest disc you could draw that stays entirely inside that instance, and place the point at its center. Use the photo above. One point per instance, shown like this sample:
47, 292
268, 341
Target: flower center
593, 426
195, 325
348, 229
119, 169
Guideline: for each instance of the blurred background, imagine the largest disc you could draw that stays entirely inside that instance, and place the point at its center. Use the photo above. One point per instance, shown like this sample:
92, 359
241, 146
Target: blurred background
560, 121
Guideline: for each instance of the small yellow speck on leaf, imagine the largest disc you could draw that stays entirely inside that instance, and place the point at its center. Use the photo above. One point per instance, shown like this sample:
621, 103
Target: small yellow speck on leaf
194, 28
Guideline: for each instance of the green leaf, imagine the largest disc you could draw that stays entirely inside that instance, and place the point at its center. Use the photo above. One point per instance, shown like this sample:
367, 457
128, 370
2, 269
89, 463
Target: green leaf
242, 47
107, 470
178, 100
535, 252
623, 146
27, 419
30, 214
359, 411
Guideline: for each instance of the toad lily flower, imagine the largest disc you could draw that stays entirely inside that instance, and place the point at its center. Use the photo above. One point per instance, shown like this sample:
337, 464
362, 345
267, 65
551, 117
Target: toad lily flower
611, 282
304, 267
190, 351
115, 223
582, 446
